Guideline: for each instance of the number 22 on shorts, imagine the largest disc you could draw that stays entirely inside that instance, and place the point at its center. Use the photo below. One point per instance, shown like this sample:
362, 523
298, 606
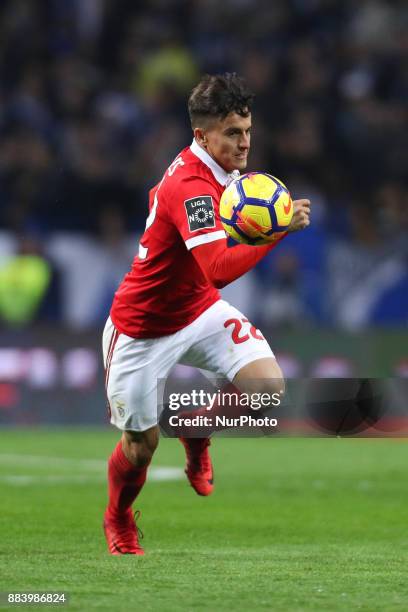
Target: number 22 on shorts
241, 325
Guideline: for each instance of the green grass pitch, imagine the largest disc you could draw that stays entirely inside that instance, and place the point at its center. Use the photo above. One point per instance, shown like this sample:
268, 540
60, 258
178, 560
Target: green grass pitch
294, 524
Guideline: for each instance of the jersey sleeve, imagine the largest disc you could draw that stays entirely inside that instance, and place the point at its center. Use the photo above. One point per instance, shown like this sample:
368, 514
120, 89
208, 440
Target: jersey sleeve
196, 212
222, 265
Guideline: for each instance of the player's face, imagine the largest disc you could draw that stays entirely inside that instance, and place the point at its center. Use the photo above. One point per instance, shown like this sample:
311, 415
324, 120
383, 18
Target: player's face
228, 141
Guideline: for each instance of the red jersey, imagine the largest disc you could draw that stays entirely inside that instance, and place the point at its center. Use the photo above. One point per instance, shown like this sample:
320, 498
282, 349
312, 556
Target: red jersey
166, 288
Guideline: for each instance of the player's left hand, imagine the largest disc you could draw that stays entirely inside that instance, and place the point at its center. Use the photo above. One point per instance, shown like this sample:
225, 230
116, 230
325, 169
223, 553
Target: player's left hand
301, 215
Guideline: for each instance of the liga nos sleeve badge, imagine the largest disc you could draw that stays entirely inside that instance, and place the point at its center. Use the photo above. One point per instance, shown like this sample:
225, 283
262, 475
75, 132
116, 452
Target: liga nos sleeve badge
200, 213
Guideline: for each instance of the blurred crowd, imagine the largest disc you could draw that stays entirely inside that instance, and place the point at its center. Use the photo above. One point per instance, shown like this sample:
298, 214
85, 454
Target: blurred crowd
93, 109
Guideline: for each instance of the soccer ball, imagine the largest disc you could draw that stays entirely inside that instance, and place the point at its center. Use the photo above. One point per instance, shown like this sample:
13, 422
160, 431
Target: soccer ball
255, 208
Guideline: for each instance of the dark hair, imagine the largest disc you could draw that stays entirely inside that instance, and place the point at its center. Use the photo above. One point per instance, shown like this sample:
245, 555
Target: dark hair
217, 95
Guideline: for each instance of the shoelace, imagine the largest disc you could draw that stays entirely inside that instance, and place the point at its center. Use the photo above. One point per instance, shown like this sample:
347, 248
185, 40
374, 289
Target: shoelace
136, 517
123, 531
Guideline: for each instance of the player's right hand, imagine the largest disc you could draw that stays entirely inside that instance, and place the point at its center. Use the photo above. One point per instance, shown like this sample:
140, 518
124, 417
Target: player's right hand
301, 215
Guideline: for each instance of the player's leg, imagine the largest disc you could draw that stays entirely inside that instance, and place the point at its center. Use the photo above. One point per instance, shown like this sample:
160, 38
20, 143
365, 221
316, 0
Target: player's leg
132, 369
199, 468
127, 471
261, 375
139, 446
225, 343
231, 347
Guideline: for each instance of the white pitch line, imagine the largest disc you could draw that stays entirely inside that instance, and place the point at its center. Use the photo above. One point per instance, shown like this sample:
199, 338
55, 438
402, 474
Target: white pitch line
43, 460
96, 466
155, 474
25, 479
160, 474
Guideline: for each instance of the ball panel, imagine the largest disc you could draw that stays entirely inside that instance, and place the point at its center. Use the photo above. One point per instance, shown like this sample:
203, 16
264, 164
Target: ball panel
259, 186
235, 233
280, 183
258, 217
230, 199
284, 209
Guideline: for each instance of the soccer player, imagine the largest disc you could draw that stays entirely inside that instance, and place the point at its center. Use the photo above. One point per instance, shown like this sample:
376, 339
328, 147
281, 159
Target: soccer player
168, 309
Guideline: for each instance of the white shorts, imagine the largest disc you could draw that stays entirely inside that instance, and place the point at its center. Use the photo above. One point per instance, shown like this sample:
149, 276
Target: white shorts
220, 340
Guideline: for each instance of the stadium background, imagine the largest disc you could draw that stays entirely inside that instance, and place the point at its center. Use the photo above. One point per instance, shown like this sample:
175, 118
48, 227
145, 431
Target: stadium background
93, 109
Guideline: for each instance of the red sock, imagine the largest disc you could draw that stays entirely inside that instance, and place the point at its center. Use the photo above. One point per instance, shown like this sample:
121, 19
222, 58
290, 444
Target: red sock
124, 482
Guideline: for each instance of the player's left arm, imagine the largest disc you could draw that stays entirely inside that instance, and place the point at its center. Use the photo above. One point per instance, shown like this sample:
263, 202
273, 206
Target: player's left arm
222, 265
196, 213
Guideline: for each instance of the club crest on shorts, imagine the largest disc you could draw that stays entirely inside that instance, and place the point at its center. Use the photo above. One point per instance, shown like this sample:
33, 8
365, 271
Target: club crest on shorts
120, 407
200, 212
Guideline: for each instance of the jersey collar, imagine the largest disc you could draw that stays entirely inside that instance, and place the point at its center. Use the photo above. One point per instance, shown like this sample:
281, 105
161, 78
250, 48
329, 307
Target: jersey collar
219, 173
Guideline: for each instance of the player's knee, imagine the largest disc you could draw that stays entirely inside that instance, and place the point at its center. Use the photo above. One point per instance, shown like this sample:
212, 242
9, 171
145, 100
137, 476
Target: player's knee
275, 386
260, 376
271, 385
139, 453
140, 447
274, 383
